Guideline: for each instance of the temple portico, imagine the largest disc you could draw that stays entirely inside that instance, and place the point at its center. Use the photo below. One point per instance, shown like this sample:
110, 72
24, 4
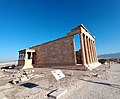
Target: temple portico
88, 48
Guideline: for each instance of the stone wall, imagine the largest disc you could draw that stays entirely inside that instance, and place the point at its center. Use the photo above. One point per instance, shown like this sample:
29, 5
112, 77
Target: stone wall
21, 62
79, 57
57, 52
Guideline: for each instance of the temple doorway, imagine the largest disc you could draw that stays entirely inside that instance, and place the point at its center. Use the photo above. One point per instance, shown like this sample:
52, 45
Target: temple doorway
33, 57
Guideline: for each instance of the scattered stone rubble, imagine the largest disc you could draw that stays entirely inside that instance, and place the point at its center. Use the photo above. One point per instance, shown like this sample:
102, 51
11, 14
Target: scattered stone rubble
22, 76
1, 74
107, 61
104, 61
45, 81
115, 60
9, 67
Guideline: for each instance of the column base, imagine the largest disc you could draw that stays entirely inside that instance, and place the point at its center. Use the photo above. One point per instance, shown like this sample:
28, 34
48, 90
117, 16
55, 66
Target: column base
93, 65
27, 66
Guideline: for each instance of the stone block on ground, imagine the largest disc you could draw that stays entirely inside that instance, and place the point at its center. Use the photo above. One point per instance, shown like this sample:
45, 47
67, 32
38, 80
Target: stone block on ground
24, 78
57, 94
15, 81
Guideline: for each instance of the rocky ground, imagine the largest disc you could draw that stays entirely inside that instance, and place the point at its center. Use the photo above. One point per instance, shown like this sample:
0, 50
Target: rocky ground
101, 83
105, 86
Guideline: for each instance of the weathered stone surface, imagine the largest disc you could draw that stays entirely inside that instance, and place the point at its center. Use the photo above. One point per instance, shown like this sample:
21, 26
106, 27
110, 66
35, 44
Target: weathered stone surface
1, 74
15, 81
57, 94
60, 51
24, 78
5, 86
2, 96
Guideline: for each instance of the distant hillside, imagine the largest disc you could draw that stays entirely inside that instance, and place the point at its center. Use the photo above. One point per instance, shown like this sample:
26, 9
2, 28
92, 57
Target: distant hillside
8, 61
111, 55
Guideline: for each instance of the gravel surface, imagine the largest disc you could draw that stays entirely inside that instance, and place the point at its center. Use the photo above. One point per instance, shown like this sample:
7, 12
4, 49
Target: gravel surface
107, 86
100, 83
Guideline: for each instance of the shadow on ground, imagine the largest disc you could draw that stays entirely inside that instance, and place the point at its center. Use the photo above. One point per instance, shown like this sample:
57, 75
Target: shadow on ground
32, 85
29, 85
102, 83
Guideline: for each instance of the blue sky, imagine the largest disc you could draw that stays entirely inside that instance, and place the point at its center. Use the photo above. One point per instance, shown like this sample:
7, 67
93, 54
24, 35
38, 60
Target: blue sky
25, 23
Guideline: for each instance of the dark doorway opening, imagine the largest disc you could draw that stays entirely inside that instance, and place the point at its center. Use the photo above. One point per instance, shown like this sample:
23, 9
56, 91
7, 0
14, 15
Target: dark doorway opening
33, 57
77, 48
28, 55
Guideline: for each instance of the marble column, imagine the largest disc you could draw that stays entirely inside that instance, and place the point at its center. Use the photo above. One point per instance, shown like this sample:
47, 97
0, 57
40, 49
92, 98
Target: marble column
88, 46
86, 49
93, 56
82, 49
94, 52
19, 55
89, 50
96, 59
26, 55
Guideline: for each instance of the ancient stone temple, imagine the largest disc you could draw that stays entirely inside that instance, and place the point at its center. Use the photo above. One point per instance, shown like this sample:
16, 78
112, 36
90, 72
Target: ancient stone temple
62, 51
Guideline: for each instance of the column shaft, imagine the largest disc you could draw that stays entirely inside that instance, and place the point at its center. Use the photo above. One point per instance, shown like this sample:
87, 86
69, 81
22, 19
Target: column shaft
86, 50
19, 55
89, 50
93, 56
95, 53
82, 49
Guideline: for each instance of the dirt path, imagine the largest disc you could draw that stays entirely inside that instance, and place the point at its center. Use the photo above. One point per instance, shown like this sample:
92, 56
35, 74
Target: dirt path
107, 86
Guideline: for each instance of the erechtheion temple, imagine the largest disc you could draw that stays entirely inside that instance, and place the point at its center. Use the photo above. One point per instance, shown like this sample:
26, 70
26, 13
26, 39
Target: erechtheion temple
62, 51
